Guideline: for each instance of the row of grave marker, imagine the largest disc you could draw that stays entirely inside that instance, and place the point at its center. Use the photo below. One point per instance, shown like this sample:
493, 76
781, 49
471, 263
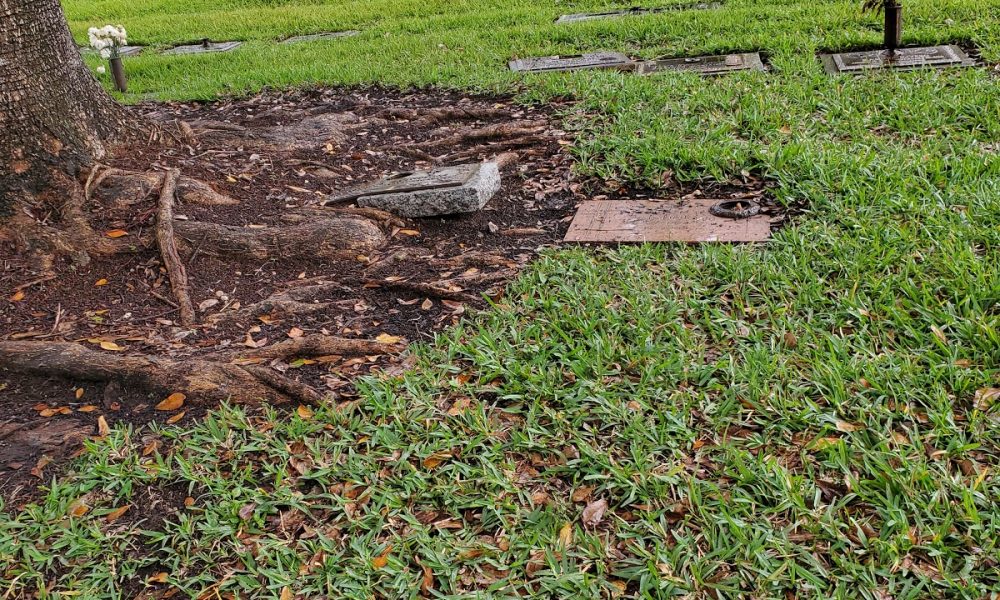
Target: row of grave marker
844, 62
208, 46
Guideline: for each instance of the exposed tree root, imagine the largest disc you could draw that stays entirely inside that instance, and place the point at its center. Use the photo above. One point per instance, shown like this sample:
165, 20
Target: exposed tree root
187, 132
434, 116
332, 237
499, 147
381, 216
320, 345
53, 224
491, 132
423, 289
168, 249
297, 300
125, 188
201, 380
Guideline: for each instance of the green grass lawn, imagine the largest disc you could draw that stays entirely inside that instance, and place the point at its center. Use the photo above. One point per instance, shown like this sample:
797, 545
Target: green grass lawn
799, 419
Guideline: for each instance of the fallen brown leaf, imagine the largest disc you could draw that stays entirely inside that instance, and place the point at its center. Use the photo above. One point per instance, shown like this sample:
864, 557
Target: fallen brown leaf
594, 512
435, 459
116, 514
102, 426
172, 402
383, 559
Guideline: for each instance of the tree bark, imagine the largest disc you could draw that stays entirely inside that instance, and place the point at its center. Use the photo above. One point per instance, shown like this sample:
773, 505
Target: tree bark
53, 114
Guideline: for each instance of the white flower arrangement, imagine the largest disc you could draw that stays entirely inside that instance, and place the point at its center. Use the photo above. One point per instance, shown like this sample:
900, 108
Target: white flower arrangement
107, 40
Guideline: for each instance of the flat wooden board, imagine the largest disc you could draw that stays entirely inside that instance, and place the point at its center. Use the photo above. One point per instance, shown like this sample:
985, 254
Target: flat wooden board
662, 221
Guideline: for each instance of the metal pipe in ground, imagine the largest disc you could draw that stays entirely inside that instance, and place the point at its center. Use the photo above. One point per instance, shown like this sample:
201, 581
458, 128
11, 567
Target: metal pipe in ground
893, 27
118, 73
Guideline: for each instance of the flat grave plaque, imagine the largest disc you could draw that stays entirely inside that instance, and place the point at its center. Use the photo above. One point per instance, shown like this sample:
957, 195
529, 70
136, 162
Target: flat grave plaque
636, 11
906, 59
326, 35
706, 65
123, 51
662, 221
594, 60
203, 47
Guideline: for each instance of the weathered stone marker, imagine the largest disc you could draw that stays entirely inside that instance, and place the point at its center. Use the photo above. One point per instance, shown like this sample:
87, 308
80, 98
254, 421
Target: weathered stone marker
123, 51
205, 46
904, 59
594, 60
636, 11
326, 35
442, 191
706, 65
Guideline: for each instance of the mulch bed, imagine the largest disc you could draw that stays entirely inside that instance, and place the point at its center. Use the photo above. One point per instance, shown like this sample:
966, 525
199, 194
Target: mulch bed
124, 299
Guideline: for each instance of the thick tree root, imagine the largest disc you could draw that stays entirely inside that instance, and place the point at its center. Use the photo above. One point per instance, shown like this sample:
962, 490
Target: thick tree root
516, 129
201, 380
168, 249
334, 237
320, 345
125, 188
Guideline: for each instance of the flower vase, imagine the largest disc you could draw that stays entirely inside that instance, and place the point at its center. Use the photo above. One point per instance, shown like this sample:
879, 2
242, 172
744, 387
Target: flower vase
118, 72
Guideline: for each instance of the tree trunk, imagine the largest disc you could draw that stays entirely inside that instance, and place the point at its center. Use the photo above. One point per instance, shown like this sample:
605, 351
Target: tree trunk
53, 113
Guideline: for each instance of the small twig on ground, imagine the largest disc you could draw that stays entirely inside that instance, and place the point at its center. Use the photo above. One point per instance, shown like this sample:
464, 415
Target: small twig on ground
164, 299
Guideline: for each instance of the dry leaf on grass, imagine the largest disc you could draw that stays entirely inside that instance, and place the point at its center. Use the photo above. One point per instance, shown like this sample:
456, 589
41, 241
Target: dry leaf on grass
986, 398
103, 429
435, 459
566, 535
383, 559
594, 512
